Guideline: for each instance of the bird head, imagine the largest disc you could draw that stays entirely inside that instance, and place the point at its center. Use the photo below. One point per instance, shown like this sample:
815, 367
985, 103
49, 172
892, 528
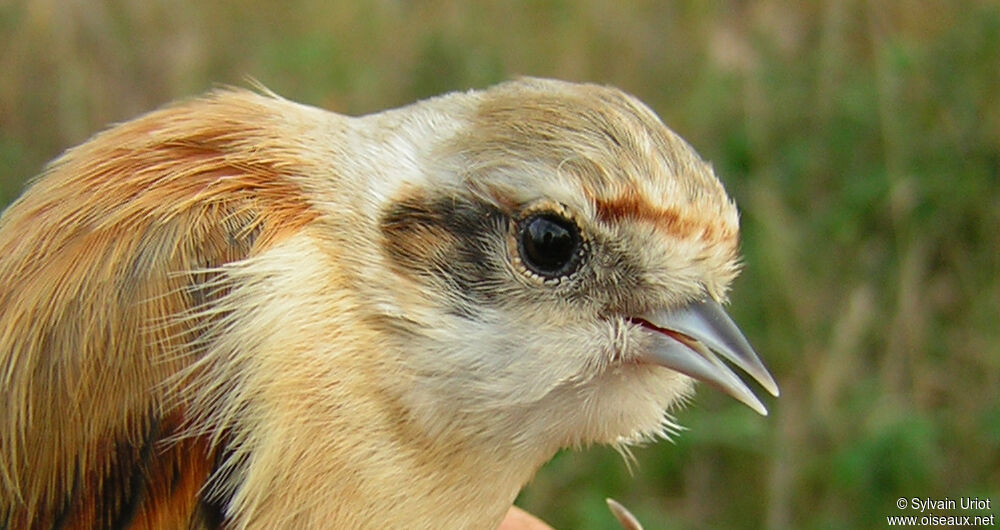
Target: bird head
558, 263
243, 310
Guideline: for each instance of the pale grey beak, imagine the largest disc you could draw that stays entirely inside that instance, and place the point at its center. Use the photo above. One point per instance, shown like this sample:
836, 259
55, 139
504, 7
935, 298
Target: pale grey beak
687, 340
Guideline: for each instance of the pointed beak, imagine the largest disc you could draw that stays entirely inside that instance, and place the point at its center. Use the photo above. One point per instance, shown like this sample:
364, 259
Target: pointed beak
691, 339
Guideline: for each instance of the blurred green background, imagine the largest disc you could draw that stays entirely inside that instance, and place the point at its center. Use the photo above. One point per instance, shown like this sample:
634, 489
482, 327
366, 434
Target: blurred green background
861, 140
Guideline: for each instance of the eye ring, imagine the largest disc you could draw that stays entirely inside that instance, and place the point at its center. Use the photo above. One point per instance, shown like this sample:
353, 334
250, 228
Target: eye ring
549, 245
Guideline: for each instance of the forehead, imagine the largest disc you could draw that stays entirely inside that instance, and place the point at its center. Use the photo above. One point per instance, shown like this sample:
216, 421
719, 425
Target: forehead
594, 149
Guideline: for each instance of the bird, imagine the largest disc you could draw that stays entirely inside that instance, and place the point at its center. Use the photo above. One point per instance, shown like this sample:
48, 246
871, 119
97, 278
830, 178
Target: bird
239, 311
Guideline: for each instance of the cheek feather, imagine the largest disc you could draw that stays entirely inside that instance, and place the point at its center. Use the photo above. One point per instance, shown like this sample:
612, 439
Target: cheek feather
449, 245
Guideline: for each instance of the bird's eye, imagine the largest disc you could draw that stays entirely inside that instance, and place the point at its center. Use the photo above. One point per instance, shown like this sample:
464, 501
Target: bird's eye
549, 244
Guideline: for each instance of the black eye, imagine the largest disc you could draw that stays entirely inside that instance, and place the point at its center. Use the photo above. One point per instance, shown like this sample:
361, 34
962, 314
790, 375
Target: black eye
549, 244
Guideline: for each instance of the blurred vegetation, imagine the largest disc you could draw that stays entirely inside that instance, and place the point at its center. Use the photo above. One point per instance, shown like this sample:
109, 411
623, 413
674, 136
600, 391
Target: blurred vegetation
861, 140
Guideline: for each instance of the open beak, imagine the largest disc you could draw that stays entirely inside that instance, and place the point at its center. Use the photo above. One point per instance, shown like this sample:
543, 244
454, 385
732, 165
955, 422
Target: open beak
691, 339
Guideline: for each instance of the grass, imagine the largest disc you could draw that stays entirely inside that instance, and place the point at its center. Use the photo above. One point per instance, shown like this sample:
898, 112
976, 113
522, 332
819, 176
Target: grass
861, 140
